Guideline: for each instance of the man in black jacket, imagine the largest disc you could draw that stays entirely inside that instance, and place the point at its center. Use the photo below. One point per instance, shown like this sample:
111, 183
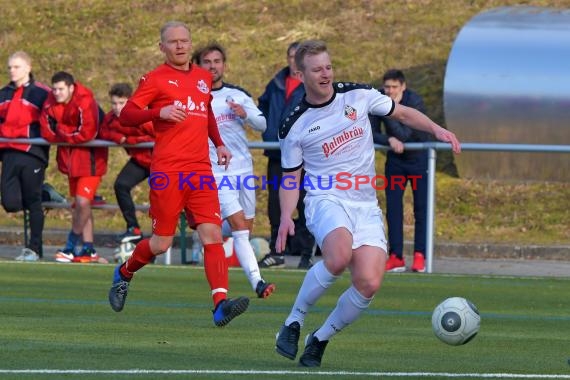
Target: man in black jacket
23, 166
403, 167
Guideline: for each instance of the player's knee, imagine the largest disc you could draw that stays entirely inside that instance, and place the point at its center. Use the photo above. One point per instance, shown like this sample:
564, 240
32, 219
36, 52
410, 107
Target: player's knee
368, 287
11, 204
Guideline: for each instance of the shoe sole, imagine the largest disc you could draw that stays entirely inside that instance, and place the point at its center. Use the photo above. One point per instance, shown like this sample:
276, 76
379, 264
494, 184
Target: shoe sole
284, 353
267, 291
276, 266
419, 270
397, 270
239, 307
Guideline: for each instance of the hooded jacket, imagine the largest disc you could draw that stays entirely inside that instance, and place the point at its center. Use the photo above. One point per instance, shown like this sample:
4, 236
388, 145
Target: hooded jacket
74, 123
113, 130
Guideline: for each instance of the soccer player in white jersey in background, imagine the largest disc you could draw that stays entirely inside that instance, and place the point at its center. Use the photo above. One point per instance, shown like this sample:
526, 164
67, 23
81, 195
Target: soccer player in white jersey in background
234, 109
329, 135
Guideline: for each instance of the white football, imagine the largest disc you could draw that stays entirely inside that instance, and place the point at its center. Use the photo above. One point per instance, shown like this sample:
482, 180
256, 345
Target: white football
123, 252
456, 321
260, 247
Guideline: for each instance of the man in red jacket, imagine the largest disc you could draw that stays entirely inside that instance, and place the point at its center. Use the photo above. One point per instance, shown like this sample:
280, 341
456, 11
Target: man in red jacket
176, 97
137, 169
71, 115
23, 167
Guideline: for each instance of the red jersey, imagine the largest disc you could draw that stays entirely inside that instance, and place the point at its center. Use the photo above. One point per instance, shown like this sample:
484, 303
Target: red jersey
179, 147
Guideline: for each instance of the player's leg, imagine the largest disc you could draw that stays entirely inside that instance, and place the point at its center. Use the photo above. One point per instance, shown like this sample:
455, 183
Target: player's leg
234, 205
166, 204
328, 222
367, 265
130, 175
202, 210
83, 217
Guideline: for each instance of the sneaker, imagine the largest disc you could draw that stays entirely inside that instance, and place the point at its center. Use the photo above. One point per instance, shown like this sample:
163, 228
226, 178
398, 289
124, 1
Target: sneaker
118, 292
228, 309
87, 255
64, 255
132, 234
314, 350
305, 263
287, 340
28, 255
264, 289
272, 261
395, 264
419, 264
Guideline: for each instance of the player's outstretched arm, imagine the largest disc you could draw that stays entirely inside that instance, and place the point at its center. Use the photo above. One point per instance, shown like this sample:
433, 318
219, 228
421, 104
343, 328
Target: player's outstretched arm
419, 121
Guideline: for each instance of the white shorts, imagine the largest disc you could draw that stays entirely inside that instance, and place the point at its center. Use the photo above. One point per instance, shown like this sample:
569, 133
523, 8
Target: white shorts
365, 223
235, 197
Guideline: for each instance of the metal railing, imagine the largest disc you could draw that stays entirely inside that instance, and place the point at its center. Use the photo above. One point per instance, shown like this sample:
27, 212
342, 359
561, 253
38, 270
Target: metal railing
432, 148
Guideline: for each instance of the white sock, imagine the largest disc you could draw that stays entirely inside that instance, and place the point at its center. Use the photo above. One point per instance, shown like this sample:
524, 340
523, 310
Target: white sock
348, 308
246, 257
317, 280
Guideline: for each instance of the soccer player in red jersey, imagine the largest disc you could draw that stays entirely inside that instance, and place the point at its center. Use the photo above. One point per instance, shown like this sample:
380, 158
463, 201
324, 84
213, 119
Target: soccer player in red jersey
176, 97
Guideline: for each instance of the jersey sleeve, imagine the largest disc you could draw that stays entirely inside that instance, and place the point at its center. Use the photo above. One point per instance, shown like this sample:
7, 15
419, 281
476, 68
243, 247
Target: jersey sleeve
380, 104
146, 92
291, 153
254, 117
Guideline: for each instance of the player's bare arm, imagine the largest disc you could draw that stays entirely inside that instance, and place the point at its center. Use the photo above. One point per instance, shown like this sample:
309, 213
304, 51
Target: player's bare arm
173, 113
288, 198
419, 121
224, 156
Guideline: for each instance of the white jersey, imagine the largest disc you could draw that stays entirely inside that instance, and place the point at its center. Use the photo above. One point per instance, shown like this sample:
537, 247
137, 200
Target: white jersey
232, 128
333, 142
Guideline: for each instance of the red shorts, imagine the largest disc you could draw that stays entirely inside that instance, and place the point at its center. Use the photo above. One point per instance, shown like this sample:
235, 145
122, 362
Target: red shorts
84, 186
172, 193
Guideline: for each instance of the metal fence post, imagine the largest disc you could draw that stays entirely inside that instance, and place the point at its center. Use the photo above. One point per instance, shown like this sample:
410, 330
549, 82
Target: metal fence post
430, 230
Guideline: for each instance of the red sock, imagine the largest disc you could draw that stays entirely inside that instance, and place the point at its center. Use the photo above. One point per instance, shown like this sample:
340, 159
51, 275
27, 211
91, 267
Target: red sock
140, 257
233, 260
216, 268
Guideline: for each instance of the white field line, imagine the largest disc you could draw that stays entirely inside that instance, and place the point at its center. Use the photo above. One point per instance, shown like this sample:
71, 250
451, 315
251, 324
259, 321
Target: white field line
284, 373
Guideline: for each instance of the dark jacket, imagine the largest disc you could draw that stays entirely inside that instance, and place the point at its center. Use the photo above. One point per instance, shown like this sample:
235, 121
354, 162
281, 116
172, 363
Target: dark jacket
273, 106
78, 122
22, 120
398, 130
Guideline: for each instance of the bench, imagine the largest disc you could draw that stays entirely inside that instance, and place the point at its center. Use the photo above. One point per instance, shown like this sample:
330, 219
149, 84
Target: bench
182, 225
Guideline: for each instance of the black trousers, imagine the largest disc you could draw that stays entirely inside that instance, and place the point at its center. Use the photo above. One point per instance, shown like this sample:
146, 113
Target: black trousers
397, 168
21, 189
130, 175
303, 242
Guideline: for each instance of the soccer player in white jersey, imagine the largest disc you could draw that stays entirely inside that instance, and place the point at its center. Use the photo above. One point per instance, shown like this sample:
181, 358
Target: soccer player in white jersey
329, 135
234, 109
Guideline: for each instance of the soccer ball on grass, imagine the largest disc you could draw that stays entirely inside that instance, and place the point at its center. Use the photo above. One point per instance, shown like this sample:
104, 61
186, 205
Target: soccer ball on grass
455, 321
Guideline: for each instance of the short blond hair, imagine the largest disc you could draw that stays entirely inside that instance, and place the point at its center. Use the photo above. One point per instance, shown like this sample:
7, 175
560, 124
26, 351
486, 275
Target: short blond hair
309, 47
22, 55
172, 24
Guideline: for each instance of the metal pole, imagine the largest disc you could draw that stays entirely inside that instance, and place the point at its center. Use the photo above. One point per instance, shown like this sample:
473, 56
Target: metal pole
430, 230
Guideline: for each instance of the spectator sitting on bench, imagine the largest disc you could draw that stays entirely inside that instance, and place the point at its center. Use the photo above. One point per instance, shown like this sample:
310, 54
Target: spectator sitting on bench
137, 169
71, 115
